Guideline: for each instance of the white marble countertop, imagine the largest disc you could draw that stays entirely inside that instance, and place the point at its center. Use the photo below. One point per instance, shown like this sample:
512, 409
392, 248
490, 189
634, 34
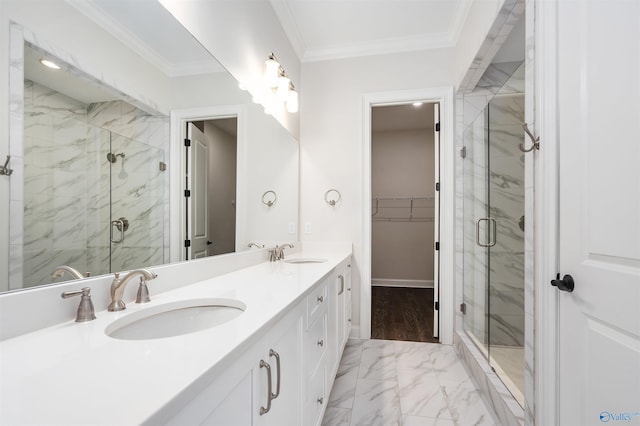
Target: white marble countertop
74, 374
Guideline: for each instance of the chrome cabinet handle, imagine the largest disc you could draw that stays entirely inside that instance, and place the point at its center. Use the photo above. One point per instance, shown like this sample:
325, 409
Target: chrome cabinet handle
265, 410
320, 400
277, 355
321, 343
493, 226
320, 299
341, 278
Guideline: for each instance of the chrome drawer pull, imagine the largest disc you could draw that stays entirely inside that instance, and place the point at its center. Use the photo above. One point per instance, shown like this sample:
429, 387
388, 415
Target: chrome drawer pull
320, 400
320, 299
321, 343
265, 410
341, 278
277, 355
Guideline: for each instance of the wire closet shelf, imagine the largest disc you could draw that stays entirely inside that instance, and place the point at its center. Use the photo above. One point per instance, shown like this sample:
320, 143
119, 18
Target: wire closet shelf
402, 209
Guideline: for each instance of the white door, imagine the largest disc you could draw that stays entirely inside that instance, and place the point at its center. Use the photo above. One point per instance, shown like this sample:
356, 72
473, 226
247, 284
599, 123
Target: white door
599, 139
198, 228
436, 221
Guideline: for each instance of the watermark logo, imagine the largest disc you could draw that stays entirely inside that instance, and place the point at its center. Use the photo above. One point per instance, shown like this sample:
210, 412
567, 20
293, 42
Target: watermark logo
621, 416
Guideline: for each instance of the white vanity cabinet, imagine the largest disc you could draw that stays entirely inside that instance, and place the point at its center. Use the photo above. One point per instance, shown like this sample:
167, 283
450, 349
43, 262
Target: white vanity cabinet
240, 395
299, 355
327, 330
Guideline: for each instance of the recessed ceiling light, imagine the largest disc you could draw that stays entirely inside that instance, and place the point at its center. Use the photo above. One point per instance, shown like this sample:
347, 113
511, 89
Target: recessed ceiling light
417, 104
49, 64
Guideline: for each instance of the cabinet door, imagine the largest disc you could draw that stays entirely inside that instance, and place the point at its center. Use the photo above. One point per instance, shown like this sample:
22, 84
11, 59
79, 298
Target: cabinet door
235, 410
225, 402
283, 361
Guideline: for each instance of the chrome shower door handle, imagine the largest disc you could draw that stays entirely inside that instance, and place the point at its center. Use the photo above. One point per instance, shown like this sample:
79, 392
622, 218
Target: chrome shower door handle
493, 226
119, 225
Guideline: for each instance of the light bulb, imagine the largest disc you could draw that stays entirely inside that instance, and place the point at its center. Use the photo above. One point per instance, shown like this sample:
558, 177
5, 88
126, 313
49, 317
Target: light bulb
283, 88
271, 73
292, 102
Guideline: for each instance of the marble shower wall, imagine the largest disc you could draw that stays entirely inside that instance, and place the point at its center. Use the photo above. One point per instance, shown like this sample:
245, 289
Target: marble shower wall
70, 193
55, 190
137, 187
506, 201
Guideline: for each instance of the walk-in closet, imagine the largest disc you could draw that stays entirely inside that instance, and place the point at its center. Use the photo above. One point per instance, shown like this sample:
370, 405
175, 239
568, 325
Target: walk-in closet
404, 221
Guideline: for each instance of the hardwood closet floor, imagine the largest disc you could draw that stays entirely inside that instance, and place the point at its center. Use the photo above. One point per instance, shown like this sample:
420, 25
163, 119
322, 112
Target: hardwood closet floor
402, 313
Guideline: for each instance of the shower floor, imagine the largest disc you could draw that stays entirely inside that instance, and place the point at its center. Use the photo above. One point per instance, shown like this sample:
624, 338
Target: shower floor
508, 362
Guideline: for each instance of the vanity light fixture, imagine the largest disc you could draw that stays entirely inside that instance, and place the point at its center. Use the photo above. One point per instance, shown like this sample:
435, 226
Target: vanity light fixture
417, 104
49, 64
279, 84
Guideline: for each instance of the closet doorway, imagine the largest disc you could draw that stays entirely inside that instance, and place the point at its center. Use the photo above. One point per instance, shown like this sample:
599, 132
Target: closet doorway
405, 221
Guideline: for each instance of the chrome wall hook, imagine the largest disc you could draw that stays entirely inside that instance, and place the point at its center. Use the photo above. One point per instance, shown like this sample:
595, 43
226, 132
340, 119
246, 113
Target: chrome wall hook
535, 140
5, 170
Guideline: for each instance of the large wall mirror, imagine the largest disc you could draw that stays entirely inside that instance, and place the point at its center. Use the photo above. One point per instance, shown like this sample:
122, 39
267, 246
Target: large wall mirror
103, 180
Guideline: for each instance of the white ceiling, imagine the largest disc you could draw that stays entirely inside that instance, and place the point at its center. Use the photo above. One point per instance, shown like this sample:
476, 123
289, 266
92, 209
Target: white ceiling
331, 29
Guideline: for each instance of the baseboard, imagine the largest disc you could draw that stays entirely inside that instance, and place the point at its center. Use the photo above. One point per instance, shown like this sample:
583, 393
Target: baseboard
381, 282
355, 333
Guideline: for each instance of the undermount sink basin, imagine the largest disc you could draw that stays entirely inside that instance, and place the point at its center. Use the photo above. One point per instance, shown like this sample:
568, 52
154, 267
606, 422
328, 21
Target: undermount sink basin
175, 319
305, 260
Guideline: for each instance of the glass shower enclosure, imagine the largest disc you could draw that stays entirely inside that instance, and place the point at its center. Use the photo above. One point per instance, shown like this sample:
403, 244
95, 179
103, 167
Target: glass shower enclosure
494, 226
94, 187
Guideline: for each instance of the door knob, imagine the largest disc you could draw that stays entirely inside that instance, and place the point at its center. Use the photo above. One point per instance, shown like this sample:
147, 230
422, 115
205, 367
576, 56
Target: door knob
564, 284
209, 243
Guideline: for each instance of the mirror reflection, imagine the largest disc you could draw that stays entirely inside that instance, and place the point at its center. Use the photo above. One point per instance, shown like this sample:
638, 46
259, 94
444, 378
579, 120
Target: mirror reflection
100, 174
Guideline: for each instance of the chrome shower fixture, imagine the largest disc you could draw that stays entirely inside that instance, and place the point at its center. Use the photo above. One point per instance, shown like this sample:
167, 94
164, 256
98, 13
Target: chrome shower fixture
112, 158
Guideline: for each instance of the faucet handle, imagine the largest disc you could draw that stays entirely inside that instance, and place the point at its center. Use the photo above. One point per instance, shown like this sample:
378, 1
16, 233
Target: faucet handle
143, 292
85, 309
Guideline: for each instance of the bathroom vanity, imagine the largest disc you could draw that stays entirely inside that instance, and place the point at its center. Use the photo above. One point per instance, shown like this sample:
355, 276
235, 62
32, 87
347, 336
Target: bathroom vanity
272, 364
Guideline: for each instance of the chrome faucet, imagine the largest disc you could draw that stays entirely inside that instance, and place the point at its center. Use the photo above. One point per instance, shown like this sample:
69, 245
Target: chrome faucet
280, 251
118, 285
60, 270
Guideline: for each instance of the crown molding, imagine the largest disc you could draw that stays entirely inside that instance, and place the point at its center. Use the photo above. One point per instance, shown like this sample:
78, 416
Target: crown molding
126, 37
380, 47
289, 25
464, 6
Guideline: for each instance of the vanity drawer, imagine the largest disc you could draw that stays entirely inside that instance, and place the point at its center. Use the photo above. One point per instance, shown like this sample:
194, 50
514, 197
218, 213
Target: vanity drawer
316, 302
316, 398
315, 343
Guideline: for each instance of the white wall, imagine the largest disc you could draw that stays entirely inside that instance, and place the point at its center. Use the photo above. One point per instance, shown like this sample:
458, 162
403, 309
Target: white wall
403, 166
331, 137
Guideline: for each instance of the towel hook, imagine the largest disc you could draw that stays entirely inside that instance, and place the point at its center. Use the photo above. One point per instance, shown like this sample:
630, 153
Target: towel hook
333, 201
5, 170
266, 199
535, 140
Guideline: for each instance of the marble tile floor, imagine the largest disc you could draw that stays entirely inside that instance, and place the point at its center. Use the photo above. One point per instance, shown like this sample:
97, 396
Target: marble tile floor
393, 383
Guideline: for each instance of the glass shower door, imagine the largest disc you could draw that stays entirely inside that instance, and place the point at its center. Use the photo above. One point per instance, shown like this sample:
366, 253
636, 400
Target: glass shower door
493, 288
137, 225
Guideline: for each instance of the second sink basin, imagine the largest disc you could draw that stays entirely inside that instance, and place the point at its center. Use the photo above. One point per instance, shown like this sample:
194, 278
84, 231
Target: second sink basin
305, 260
175, 318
